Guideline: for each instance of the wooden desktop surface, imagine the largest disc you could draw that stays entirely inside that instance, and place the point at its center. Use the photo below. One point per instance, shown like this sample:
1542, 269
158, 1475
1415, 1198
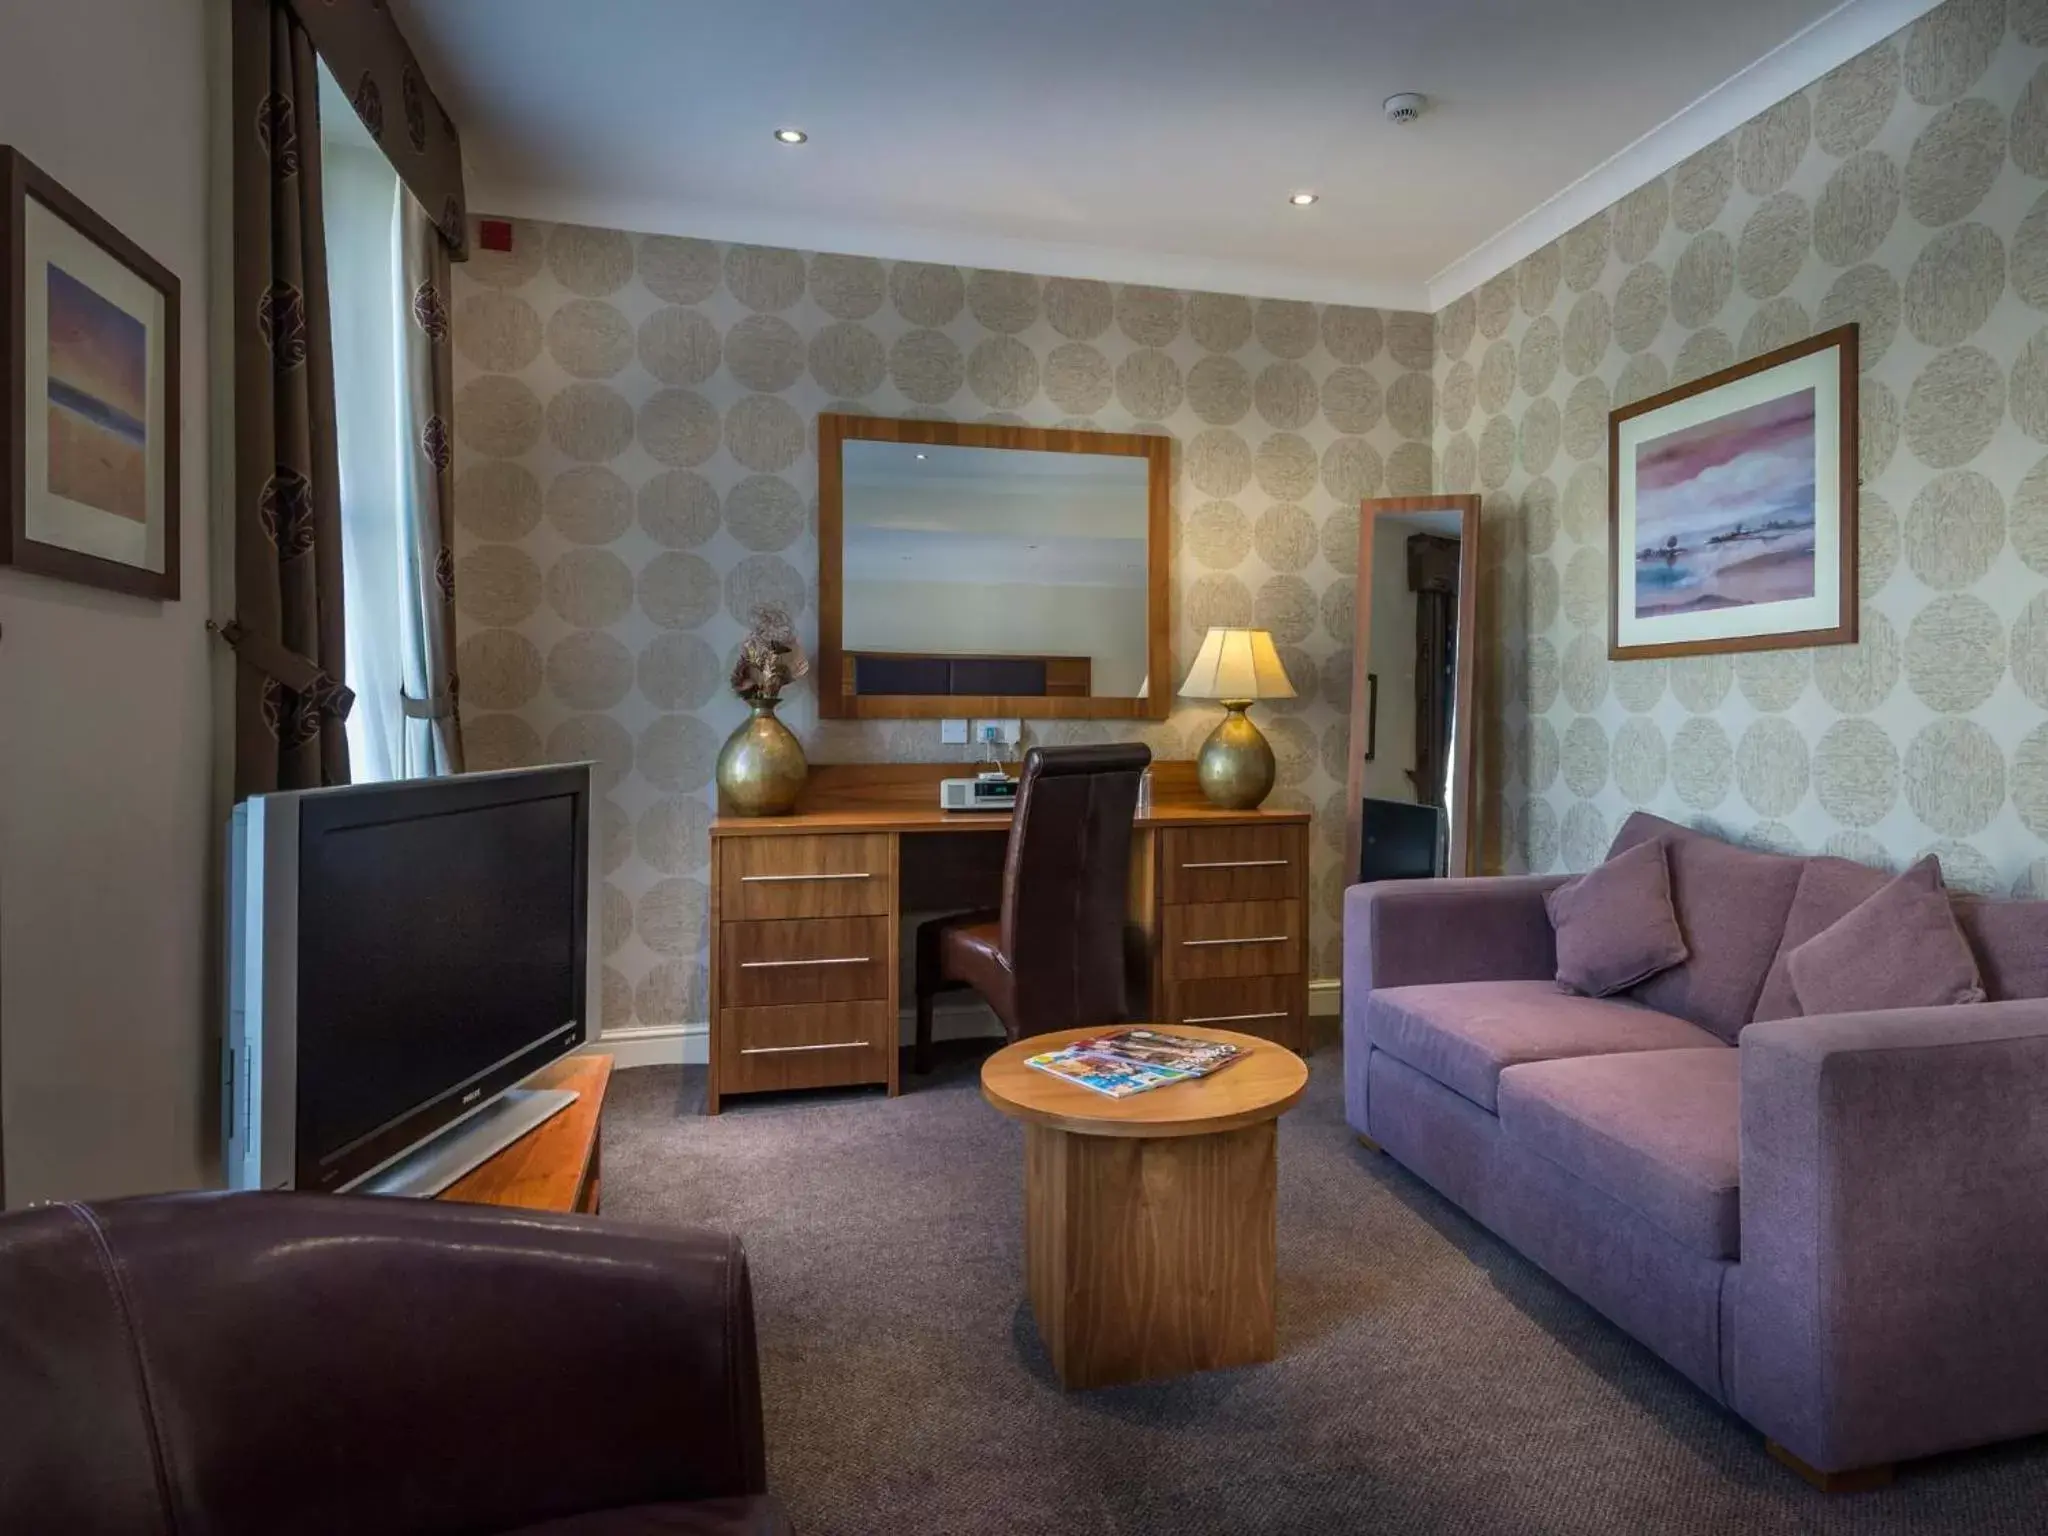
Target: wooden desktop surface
554, 1166
904, 797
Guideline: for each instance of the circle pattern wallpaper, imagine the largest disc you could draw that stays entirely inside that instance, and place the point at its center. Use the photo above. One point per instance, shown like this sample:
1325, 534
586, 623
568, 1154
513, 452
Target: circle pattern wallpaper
636, 471
1906, 191
636, 421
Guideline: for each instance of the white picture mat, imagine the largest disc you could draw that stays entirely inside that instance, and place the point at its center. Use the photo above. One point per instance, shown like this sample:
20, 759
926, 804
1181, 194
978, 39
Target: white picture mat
58, 520
1818, 371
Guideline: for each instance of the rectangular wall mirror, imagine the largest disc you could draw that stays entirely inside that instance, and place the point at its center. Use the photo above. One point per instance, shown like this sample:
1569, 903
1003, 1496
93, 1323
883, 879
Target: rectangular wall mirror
1411, 797
991, 570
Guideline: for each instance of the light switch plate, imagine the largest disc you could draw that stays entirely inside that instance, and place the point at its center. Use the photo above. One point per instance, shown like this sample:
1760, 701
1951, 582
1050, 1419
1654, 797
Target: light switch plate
953, 733
1008, 732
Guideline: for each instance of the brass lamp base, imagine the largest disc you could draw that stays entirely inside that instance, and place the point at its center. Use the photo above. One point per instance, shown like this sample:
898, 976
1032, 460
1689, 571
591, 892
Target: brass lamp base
1236, 765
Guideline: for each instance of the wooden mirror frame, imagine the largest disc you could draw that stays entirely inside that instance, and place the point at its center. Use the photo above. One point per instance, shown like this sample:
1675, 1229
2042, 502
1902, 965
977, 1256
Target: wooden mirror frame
1463, 798
833, 703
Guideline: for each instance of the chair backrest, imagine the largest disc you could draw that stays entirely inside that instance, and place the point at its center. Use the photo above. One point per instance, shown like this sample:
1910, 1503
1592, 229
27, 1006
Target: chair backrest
255, 1363
1066, 885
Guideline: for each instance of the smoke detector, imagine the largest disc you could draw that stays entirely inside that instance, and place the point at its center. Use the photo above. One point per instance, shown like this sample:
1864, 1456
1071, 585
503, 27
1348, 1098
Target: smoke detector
1405, 107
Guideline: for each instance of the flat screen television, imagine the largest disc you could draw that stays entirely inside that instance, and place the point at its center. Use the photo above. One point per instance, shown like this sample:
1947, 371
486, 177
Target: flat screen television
402, 955
1400, 840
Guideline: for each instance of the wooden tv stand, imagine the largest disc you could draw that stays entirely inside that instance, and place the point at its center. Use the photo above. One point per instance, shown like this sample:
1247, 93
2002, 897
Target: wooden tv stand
556, 1165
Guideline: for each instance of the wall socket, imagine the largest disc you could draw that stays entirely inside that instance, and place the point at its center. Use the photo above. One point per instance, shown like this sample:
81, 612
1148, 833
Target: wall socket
1004, 733
953, 733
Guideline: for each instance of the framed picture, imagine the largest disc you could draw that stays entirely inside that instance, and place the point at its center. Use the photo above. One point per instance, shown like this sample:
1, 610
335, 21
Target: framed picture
1732, 508
88, 394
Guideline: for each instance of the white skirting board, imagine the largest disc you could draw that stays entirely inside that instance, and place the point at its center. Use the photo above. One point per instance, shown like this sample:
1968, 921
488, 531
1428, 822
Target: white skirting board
667, 1045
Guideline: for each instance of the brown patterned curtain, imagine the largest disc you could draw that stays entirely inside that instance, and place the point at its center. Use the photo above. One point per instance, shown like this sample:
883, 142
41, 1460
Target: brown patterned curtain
288, 631
1433, 578
371, 60
288, 636
433, 736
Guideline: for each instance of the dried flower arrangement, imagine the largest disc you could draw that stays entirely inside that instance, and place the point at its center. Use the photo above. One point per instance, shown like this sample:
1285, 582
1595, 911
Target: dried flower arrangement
770, 658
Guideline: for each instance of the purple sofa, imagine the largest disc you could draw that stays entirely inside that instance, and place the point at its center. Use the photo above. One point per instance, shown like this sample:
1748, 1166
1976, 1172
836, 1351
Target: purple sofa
1839, 1230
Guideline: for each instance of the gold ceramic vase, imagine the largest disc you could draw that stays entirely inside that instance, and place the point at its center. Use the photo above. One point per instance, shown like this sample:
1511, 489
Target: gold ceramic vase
761, 767
1236, 765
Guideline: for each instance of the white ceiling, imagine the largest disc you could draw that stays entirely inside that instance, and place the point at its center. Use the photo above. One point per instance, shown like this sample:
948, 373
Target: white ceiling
1134, 140
877, 554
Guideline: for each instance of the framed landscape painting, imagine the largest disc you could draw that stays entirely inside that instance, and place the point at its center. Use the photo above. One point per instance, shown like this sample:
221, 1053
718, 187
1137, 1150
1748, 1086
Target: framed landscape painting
1732, 508
89, 392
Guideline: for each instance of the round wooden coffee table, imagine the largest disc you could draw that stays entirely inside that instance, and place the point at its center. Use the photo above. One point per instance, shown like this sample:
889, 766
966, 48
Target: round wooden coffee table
1149, 1221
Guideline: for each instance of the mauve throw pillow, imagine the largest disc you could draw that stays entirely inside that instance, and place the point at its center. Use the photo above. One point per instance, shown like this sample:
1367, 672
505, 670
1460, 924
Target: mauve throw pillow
1731, 904
1829, 890
1615, 924
1899, 949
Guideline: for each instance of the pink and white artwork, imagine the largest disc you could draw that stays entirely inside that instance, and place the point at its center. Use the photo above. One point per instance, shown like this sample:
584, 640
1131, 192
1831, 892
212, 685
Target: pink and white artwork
1724, 511
1733, 520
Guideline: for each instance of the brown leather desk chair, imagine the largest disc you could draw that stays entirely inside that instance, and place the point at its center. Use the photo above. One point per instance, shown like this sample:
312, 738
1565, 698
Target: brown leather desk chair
1053, 957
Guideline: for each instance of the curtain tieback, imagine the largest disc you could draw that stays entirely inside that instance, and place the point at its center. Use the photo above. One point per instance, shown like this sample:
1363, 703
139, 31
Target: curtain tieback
435, 706
288, 668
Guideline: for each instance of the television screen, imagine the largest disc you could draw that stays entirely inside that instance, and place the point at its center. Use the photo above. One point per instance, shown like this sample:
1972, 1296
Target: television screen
1399, 841
440, 939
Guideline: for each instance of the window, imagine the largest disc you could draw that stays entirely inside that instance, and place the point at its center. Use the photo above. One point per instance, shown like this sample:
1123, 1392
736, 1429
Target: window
364, 204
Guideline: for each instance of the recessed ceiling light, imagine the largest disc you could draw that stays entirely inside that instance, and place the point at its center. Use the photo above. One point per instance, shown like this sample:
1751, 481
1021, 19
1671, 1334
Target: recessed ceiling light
920, 455
1303, 199
790, 135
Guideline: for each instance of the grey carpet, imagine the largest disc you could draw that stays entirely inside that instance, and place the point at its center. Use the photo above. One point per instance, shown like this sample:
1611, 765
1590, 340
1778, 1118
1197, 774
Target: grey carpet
1428, 1380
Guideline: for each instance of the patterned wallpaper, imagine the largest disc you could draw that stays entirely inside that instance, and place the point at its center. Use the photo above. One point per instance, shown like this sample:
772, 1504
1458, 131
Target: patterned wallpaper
635, 427
1907, 191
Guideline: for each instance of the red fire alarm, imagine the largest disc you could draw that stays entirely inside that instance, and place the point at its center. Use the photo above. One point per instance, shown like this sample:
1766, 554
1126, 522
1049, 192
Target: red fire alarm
494, 234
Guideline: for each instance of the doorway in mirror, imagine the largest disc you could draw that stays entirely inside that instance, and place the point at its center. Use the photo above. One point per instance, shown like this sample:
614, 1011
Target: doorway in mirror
1410, 789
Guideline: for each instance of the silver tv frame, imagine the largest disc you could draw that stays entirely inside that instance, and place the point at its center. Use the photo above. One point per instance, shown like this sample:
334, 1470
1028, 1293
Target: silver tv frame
259, 1086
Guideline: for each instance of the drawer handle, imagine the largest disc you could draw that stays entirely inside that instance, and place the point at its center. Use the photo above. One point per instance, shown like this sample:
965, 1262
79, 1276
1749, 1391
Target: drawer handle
784, 1050
778, 879
1264, 938
1239, 864
771, 965
1235, 1018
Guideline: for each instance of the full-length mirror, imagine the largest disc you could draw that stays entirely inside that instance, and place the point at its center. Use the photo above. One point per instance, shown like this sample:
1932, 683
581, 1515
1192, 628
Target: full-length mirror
1411, 782
988, 570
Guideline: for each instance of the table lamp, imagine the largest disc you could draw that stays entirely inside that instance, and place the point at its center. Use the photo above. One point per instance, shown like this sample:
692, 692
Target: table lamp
1236, 667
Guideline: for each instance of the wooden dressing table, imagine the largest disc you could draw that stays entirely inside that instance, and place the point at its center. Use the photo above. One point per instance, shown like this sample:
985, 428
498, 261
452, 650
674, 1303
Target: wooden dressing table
806, 919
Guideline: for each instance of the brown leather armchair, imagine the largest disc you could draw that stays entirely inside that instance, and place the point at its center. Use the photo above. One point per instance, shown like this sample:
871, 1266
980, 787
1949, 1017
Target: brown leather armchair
300, 1364
1053, 957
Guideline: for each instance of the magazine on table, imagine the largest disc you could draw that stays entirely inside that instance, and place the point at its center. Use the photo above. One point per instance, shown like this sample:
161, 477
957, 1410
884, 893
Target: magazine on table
1128, 1061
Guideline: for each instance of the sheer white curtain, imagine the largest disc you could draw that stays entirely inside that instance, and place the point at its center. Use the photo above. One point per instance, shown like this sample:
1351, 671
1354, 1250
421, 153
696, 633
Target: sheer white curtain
369, 308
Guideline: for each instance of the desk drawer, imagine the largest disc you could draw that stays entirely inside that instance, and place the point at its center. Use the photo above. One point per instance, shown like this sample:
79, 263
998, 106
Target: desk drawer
1232, 938
808, 875
820, 1045
803, 960
1243, 863
1271, 1007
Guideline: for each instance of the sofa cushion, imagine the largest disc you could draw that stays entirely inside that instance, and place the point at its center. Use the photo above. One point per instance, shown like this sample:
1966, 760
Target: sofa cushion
1829, 890
1464, 1034
1732, 903
2010, 939
757, 1516
1899, 949
1658, 1131
1615, 924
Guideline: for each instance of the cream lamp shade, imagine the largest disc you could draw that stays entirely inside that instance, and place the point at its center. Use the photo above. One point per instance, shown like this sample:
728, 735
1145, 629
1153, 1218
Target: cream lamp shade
1237, 664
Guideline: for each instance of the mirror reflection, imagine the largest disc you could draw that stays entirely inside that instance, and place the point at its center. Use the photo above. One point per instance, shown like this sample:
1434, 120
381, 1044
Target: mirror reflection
1411, 750
993, 571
